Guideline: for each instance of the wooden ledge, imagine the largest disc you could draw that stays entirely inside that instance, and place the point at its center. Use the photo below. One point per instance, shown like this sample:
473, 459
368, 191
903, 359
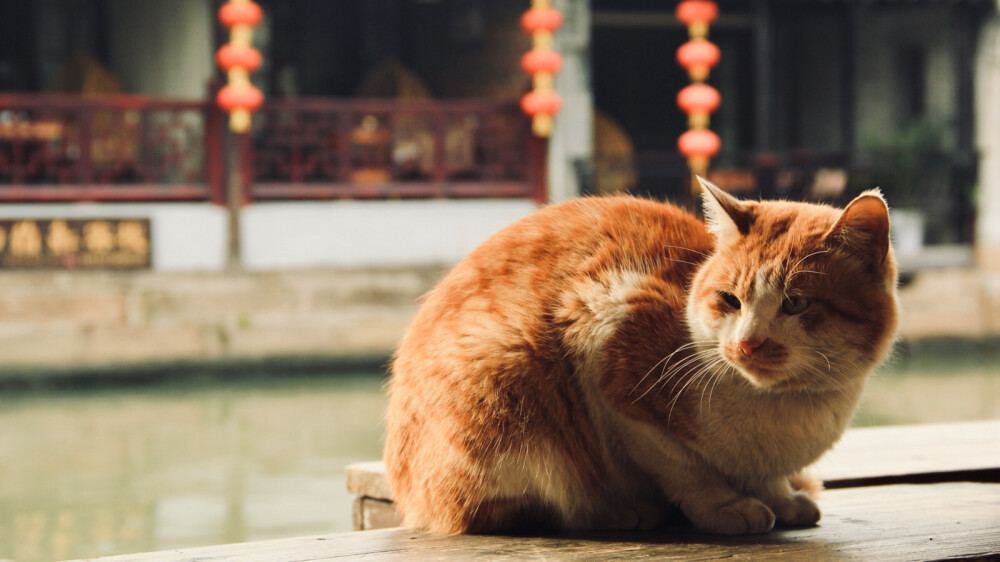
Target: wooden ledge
947, 452
895, 522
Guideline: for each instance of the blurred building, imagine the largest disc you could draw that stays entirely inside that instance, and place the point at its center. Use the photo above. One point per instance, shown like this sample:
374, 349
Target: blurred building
391, 133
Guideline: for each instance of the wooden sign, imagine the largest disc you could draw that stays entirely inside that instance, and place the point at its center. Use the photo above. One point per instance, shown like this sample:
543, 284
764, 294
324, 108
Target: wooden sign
119, 243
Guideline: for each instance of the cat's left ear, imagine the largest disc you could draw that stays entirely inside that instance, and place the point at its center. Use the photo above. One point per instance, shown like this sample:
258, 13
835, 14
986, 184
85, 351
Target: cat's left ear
863, 227
727, 217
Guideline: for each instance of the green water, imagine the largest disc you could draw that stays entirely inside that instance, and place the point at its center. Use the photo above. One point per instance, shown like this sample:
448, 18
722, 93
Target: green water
932, 388
116, 471
99, 472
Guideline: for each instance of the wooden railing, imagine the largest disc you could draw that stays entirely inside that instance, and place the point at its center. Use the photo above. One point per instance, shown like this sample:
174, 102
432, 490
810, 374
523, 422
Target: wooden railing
132, 148
108, 148
365, 149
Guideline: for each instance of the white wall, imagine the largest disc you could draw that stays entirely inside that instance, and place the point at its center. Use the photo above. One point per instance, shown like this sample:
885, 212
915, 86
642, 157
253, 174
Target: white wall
370, 233
297, 235
162, 48
573, 134
184, 236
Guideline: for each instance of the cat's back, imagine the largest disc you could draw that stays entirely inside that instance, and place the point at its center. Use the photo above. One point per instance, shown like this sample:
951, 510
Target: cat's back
585, 236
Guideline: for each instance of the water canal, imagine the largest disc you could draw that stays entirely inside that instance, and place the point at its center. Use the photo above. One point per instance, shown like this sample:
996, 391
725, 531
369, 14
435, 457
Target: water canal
107, 471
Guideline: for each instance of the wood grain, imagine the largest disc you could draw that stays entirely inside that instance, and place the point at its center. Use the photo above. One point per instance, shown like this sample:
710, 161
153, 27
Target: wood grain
934, 452
894, 522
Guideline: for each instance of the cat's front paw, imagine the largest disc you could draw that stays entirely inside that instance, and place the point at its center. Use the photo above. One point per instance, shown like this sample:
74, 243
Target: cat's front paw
739, 517
798, 510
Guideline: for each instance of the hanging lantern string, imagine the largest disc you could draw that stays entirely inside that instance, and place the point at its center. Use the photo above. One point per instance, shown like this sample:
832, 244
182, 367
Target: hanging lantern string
238, 58
699, 100
541, 62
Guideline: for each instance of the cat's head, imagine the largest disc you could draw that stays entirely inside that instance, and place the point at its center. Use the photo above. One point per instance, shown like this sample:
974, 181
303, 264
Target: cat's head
796, 295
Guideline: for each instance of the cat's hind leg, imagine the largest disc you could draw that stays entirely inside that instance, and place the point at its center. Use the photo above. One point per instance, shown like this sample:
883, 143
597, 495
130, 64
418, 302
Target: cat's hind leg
518, 516
640, 514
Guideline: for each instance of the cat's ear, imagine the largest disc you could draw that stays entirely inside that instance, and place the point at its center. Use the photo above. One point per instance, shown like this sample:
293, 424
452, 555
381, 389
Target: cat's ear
863, 227
727, 217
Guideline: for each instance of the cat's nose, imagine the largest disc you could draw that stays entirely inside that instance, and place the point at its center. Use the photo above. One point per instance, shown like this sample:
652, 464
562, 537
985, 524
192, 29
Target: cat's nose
748, 347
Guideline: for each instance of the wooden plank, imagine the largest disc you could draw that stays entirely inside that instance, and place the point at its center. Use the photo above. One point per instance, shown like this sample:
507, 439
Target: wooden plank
916, 453
375, 514
368, 479
897, 522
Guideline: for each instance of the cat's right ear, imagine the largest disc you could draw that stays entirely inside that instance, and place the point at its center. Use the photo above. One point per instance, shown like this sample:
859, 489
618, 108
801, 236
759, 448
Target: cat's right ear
727, 217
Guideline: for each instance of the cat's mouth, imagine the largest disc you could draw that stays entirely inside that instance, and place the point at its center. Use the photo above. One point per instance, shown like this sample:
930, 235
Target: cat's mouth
763, 370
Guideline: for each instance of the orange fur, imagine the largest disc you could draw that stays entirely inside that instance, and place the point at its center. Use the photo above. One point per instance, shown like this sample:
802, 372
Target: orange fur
583, 367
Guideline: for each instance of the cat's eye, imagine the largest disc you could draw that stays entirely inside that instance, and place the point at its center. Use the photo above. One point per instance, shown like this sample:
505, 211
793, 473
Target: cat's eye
794, 305
730, 299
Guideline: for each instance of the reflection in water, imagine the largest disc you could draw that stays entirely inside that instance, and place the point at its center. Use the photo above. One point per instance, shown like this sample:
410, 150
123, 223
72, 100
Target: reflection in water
114, 471
947, 388
102, 472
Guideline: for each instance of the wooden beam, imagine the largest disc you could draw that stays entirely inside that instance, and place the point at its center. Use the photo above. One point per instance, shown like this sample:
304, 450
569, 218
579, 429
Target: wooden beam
944, 452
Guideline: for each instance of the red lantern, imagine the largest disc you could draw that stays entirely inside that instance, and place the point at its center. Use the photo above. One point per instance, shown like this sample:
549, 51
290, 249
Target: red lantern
699, 143
541, 19
239, 59
245, 97
541, 102
697, 12
240, 13
541, 63
698, 101
698, 56
541, 60
698, 98
232, 56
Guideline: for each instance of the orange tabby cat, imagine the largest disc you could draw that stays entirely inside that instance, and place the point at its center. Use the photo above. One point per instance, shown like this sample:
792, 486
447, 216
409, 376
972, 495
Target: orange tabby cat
606, 357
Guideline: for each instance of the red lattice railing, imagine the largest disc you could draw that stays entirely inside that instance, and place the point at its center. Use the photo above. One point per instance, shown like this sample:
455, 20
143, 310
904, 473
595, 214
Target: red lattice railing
331, 149
108, 148
132, 148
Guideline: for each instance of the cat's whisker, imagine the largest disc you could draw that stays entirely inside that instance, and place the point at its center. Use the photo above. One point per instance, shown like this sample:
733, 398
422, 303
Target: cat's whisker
682, 261
688, 250
820, 354
714, 376
664, 362
829, 381
825, 358
816, 253
729, 371
701, 373
675, 373
665, 373
794, 273
675, 370
644, 377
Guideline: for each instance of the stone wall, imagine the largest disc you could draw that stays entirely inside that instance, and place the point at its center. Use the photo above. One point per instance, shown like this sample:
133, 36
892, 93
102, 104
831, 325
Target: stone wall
87, 319
91, 319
